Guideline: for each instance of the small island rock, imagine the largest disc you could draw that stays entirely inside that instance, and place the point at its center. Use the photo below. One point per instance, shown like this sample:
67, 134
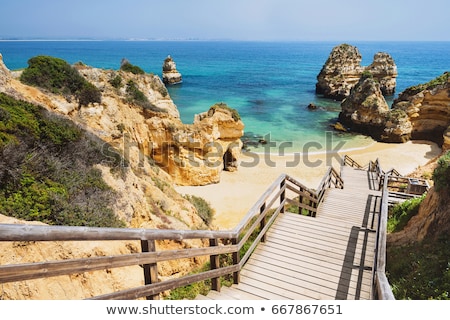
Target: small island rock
170, 73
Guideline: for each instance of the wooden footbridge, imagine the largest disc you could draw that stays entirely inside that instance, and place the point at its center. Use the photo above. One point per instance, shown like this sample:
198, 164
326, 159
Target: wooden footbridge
333, 248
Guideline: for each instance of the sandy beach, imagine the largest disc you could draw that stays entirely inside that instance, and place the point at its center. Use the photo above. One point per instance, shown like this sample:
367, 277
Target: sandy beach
238, 191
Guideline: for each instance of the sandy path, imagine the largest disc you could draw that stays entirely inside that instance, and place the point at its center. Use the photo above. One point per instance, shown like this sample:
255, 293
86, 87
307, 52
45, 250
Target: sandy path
238, 191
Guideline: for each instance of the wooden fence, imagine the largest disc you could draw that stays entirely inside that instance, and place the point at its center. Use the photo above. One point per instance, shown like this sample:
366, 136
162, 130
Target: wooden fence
231, 242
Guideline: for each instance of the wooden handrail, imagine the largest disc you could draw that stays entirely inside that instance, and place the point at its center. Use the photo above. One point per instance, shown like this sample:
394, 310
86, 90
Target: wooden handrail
346, 160
381, 283
270, 204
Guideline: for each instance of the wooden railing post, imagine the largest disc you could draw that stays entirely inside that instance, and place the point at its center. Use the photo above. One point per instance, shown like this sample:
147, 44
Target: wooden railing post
215, 264
263, 221
236, 261
150, 270
283, 194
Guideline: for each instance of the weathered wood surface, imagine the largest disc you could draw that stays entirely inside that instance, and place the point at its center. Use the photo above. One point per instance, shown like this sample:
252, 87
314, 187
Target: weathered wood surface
327, 257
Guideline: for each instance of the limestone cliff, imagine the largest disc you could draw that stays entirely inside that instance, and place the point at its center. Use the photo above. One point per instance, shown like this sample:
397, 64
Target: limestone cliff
145, 197
428, 108
146, 130
365, 109
343, 69
170, 72
421, 112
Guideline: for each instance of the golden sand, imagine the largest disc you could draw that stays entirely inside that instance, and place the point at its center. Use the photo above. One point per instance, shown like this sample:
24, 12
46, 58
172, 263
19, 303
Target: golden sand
238, 191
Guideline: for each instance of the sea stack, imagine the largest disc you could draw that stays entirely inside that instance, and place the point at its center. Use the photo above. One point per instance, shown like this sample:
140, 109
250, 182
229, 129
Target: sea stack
342, 71
365, 110
170, 73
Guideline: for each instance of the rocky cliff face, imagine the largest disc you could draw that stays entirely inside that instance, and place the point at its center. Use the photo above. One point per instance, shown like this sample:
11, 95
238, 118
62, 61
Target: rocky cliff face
145, 194
432, 220
365, 109
384, 70
188, 153
428, 108
170, 72
421, 112
343, 69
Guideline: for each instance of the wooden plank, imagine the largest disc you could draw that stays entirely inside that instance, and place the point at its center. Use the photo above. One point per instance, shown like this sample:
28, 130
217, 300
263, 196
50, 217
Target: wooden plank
20, 272
310, 252
308, 285
219, 295
323, 244
270, 291
319, 234
309, 266
25, 232
254, 288
274, 284
239, 294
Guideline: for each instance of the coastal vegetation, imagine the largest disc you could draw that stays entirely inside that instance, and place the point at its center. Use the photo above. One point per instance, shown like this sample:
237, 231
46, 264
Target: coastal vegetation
136, 96
128, 67
47, 169
204, 209
440, 80
234, 113
421, 270
400, 214
441, 175
59, 77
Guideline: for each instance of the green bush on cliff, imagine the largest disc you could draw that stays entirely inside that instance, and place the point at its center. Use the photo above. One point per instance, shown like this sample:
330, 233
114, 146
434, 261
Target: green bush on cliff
204, 209
441, 175
400, 214
136, 96
420, 271
234, 113
128, 67
442, 79
47, 169
59, 77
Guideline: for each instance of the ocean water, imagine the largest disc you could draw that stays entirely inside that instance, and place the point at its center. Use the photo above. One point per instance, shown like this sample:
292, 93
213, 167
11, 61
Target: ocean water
269, 83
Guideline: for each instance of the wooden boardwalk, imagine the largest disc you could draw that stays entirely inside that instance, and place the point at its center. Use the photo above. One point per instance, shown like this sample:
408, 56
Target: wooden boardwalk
327, 257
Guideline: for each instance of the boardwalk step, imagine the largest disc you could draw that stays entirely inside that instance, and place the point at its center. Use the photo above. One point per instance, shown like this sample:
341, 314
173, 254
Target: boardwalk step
327, 257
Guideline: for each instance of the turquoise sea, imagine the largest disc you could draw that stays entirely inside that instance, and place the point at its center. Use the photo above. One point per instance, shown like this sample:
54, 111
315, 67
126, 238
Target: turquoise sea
269, 83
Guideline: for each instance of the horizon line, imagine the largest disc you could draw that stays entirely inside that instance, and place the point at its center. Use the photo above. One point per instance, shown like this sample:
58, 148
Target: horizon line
37, 39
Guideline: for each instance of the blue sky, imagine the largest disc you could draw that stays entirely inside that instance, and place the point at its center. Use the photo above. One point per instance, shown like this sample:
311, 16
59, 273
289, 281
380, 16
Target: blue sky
282, 20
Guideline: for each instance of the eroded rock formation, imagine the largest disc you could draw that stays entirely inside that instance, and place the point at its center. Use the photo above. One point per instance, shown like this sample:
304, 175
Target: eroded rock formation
365, 109
170, 72
145, 135
190, 154
432, 220
343, 69
427, 107
421, 112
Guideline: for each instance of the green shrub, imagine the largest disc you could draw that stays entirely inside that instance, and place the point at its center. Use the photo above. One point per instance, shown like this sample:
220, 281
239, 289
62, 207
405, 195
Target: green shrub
88, 93
441, 175
116, 82
204, 209
234, 113
400, 214
59, 77
47, 169
440, 80
137, 97
128, 67
420, 271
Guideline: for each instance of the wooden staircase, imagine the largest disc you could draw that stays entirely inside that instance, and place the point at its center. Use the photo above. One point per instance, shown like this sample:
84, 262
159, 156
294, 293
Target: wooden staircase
330, 256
